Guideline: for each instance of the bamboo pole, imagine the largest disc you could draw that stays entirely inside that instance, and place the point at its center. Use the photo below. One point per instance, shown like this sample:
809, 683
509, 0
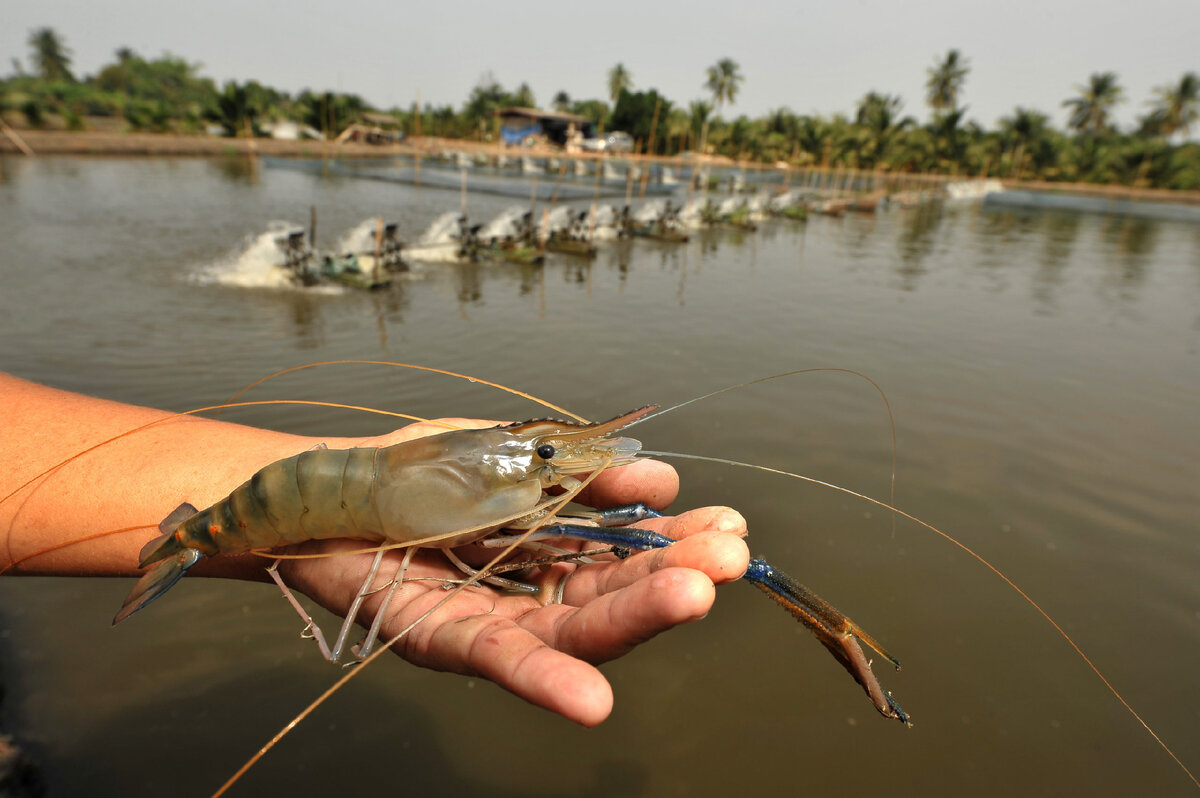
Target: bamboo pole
378, 248
17, 140
562, 170
650, 143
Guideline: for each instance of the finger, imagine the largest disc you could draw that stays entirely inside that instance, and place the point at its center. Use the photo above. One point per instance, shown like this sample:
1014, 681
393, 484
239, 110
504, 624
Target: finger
497, 649
719, 557
650, 481
701, 519
615, 623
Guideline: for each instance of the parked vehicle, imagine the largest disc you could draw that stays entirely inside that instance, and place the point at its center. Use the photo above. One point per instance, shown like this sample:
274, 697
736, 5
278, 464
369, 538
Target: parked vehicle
617, 141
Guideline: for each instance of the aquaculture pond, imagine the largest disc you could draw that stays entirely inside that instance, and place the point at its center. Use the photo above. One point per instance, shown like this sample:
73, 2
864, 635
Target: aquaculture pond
1044, 374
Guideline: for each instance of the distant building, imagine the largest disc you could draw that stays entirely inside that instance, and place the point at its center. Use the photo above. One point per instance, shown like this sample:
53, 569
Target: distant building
287, 130
374, 128
518, 125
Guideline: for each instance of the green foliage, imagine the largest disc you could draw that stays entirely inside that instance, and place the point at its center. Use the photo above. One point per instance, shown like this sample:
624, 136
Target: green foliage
945, 80
634, 114
50, 55
328, 112
169, 94
723, 81
33, 113
619, 80
1090, 109
595, 110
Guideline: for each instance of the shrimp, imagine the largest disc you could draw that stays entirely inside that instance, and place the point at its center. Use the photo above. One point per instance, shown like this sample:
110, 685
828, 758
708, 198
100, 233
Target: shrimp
448, 490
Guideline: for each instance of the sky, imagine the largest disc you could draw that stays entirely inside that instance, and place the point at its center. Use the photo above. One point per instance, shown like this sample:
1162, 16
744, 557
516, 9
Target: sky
809, 57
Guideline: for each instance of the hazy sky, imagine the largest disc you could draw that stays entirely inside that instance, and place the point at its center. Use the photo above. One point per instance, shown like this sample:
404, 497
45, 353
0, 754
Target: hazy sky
808, 56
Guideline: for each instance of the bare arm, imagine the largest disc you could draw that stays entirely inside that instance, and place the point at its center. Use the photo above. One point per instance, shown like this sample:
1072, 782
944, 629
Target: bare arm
67, 483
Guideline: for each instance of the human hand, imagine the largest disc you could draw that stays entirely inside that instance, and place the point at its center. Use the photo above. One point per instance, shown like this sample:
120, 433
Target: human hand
544, 653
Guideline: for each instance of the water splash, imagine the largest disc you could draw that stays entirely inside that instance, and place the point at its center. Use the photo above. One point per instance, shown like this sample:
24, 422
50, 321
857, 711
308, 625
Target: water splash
504, 225
258, 262
360, 238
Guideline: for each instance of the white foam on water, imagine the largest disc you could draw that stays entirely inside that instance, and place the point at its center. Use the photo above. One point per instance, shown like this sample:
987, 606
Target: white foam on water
973, 189
443, 230
258, 262
558, 218
650, 211
784, 200
439, 242
505, 224
360, 238
729, 205
689, 215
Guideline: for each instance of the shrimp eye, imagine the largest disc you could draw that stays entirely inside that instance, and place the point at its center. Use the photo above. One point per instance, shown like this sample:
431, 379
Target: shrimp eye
545, 451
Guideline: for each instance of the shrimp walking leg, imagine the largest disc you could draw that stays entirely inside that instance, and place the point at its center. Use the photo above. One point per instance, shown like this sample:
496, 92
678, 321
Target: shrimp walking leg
363, 649
334, 653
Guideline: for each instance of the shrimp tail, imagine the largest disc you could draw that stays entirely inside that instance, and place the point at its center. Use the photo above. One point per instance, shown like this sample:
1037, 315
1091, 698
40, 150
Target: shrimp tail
170, 560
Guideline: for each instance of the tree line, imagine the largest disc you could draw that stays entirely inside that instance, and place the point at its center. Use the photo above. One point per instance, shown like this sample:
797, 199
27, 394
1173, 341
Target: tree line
168, 94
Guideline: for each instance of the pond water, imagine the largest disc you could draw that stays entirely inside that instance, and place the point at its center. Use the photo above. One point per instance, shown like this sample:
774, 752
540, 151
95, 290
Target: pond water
1044, 372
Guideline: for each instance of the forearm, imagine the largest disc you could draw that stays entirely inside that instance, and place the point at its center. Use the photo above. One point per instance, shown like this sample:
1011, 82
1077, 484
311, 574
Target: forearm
48, 499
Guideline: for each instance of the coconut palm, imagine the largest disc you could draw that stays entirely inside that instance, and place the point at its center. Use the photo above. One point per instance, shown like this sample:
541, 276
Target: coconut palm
945, 81
876, 116
1028, 136
699, 111
619, 80
50, 55
1090, 110
678, 127
1176, 107
723, 81
523, 97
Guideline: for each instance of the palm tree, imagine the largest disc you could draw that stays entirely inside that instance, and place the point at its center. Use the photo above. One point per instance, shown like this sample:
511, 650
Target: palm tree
723, 81
1176, 108
619, 80
877, 117
523, 97
1089, 111
678, 127
1027, 134
50, 55
699, 112
945, 81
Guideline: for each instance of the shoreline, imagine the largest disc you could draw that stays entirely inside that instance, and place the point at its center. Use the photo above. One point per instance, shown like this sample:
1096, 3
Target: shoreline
115, 143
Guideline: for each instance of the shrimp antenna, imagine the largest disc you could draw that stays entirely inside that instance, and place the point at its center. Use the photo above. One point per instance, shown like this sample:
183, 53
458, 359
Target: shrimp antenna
467, 377
879, 389
972, 553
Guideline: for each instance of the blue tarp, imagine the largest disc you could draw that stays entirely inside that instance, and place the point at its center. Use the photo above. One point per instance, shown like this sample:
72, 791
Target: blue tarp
513, 136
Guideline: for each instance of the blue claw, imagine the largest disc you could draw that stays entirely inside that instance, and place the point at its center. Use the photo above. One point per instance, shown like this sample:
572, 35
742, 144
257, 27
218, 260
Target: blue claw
833, 629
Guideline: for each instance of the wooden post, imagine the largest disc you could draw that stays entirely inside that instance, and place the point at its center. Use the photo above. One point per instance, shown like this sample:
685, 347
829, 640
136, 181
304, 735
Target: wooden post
650, 143
17, 140
562, 170
463, 209
312, 227
378, 247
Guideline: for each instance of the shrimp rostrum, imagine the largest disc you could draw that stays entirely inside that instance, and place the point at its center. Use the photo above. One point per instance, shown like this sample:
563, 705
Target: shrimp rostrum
504, 487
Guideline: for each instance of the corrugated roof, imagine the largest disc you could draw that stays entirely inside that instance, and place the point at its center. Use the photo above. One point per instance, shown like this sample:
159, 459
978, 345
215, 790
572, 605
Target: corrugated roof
537, 113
